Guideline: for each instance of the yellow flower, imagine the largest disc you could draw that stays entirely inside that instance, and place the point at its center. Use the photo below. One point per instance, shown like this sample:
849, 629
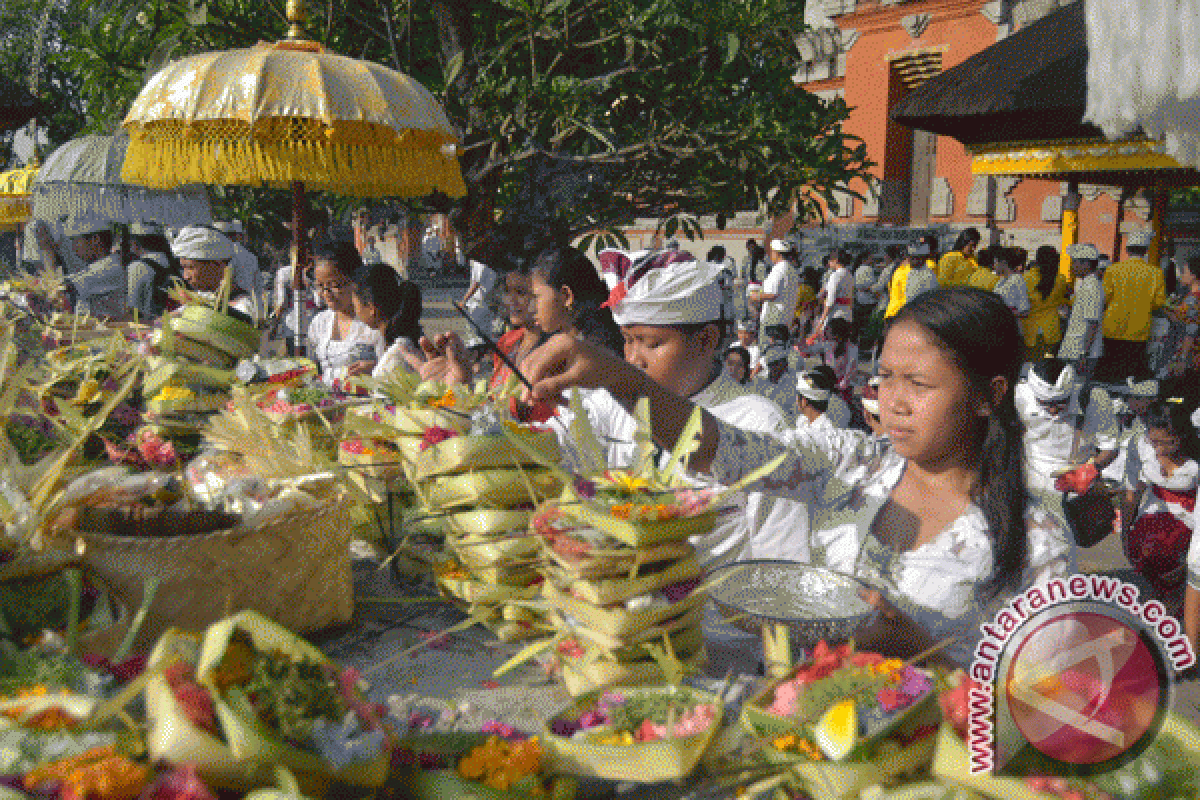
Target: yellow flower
445, 401
627, 482
785, 742
622, 511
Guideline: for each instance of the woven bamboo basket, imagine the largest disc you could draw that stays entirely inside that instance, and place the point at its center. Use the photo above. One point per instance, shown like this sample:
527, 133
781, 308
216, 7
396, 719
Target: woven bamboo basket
485, 521
294, 569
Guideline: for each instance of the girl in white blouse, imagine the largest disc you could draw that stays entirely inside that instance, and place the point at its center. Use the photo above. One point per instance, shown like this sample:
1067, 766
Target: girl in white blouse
392, 308
935, 515
1161, 475
341, 345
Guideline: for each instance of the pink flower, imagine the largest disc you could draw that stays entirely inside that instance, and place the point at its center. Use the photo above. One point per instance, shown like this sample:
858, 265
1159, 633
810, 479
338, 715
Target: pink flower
157, 451
504, 731
590, 719
893, 699
434, 435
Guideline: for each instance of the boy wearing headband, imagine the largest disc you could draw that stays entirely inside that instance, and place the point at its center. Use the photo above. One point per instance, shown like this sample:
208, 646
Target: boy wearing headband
1049, 405
669, 309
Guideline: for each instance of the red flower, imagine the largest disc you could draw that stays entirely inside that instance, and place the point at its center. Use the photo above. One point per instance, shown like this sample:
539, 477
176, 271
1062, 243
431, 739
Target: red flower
434, 435
615, 296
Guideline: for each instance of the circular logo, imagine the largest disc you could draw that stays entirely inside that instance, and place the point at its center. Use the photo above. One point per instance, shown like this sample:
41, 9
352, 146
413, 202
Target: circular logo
1086, 686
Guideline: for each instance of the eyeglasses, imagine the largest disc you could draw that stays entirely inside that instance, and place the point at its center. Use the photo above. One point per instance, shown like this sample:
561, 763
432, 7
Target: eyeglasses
332, 288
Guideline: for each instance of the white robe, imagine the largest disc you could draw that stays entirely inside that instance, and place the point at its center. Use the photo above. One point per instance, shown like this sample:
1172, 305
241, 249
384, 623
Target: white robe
853, 474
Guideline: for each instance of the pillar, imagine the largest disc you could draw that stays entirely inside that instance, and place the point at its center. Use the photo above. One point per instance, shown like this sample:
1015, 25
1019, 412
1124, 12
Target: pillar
1070, 226
1158, 219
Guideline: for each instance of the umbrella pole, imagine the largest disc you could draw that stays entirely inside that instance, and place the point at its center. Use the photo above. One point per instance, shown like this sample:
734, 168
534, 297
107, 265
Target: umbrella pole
299, 258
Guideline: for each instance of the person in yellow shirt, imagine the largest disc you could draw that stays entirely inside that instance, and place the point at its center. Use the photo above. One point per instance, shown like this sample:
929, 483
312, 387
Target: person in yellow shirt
1133, 291
1047, 294
983, 277
957, 266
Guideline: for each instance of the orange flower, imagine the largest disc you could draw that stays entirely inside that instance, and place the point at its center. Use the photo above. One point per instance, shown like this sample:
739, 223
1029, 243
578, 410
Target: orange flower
445, 401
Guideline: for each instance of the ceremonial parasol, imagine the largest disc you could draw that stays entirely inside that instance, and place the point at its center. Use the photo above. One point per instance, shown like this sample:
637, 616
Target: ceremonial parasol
17, 105
83, 177
291, 114
16, 204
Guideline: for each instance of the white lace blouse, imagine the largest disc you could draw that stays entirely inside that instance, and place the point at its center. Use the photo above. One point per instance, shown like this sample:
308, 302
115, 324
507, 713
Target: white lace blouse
333, 356
938, 583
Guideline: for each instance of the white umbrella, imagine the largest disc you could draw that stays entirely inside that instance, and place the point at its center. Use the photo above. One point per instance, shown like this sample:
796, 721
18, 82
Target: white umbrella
83, 178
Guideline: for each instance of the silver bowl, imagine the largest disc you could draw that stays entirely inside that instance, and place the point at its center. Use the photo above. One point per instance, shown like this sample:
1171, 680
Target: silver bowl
814, 603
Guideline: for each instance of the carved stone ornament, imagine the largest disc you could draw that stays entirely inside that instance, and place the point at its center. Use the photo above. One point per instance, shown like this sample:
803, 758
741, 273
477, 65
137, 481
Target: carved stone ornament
977, 200
1052, 208
941, 198
915, 24
870, 206
845, 204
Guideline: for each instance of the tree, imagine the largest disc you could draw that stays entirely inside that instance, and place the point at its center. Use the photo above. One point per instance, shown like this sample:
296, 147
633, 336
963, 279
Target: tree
581, 114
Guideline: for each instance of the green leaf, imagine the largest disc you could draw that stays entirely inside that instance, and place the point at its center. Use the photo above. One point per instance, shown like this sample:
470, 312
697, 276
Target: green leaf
731, 47
454, 66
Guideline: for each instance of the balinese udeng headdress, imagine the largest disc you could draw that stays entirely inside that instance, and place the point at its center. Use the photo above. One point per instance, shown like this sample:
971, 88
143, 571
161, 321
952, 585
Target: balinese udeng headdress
806, 388
1057, 392
663, 287
202, 244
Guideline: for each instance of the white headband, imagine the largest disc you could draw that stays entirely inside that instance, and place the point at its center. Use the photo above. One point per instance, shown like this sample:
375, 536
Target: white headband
202, 244
1053, 393
804, 387
669, 288
871, 404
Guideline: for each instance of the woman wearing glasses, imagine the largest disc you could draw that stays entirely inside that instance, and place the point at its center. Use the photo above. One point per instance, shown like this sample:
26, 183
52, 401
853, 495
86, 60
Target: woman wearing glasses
341, 345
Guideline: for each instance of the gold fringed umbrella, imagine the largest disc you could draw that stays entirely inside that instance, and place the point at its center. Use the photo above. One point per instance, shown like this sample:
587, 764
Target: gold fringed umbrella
291, 113
16, 199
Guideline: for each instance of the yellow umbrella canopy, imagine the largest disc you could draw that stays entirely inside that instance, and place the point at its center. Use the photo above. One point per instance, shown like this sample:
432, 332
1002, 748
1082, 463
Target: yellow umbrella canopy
290, 112
16, 198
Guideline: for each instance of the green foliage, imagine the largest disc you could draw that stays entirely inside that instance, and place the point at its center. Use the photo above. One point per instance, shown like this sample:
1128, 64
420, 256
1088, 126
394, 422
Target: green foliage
590, 113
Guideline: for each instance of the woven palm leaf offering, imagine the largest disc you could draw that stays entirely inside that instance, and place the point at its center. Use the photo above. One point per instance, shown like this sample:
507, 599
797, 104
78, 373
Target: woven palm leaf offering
479, 765
619, 571
197, 348
647, 734
843, 721
479, 487
279, 701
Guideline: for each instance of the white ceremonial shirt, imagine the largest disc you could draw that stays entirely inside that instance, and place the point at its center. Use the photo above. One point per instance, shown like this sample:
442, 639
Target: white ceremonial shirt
1015, 293
1048, 437
937, 584
864, 279
782, 394
784, 282
760, 519
100, 289
1088, 306
359, 343
248, 277
839, 294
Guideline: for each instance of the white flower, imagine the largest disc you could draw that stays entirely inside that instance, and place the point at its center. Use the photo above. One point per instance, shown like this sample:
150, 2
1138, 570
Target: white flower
142, 19
107, 27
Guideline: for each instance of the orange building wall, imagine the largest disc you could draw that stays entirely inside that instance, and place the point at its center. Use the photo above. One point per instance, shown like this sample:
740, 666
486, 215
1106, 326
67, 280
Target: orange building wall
959, 30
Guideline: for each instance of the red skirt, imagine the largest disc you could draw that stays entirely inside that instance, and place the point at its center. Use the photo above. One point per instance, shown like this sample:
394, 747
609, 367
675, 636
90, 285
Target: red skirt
1157, 548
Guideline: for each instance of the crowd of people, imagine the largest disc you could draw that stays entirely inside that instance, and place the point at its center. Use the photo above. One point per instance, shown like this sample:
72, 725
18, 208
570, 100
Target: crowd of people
943, 425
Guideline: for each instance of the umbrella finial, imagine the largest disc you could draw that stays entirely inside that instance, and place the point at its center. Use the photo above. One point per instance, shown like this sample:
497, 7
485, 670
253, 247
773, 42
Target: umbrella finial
296, 17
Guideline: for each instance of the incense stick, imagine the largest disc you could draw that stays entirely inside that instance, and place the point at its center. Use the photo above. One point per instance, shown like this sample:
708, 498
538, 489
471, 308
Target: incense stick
487, 340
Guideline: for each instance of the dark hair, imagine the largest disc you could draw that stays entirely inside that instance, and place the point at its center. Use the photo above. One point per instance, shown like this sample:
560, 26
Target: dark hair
399, 302
566, 267
978, 331
1048, 369
744, 355
1175, 416
342, 254
843, 256
1192, 264
716, 254
895, 251
822, 378
965, 237
1046, 258
931, 239
985, 258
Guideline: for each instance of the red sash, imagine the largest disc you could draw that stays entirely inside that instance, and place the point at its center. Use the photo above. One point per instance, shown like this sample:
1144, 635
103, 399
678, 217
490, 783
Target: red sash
1185, 497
